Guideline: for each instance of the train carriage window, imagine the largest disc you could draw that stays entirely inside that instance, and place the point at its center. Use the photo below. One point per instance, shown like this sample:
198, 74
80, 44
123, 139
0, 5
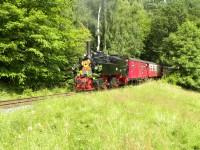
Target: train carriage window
155, 67
151, 67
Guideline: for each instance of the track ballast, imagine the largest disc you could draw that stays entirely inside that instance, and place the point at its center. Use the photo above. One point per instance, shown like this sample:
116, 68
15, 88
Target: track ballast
27, 101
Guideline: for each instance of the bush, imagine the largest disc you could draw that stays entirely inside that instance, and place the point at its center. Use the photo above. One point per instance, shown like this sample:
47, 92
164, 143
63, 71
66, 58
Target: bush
181, 50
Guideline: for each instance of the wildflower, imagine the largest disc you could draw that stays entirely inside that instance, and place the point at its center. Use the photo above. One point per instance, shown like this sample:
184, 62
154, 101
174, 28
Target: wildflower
30, 128
38, 125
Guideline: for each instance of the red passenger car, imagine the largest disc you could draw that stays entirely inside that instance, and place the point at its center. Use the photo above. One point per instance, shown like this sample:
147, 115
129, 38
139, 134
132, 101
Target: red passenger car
139, 69
154, 70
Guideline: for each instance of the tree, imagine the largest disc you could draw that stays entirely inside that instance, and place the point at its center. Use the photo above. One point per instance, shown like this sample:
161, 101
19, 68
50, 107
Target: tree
181, 50
38, 42
124, 24
166, 19
128, 26
193, 7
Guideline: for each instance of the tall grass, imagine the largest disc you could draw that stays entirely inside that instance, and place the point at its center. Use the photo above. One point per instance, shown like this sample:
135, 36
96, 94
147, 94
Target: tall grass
154, 115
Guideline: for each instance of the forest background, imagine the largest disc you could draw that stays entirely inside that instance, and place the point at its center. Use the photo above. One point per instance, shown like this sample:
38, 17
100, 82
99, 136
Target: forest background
41, 40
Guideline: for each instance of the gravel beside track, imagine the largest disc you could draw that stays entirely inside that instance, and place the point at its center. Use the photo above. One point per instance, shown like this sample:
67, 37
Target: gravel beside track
28, 101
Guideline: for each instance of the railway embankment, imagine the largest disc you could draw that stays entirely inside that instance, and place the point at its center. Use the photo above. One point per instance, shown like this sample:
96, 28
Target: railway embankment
153, 115
10, 93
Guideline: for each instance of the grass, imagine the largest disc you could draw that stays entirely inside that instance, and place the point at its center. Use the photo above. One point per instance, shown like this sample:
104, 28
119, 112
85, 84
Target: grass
153, 115
9, 93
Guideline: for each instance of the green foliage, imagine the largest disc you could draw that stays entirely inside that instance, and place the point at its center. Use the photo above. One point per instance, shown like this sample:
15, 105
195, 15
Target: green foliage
193, 7
173, 42
182, 50
128, 27
38, 44
150, 116
124, 24
165, 19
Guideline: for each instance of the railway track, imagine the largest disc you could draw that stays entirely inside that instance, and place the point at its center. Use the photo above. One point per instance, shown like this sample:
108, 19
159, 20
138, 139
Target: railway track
28, 101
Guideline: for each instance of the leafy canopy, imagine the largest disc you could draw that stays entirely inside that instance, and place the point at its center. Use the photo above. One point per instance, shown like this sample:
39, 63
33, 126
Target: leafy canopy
38, 41
182, 51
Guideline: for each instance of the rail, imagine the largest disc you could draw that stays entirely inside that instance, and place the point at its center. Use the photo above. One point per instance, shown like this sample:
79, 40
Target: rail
29, 100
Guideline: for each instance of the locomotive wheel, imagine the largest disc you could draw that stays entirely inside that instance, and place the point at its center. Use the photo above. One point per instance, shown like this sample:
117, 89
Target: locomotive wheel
104, 86
114, 83
101, 84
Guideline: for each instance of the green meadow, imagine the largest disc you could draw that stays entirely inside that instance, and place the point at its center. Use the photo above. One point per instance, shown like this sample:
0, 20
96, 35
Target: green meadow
153, 115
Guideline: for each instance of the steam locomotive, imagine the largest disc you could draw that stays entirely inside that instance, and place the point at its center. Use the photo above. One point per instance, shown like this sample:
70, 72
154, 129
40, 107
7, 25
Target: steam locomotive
98, 70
